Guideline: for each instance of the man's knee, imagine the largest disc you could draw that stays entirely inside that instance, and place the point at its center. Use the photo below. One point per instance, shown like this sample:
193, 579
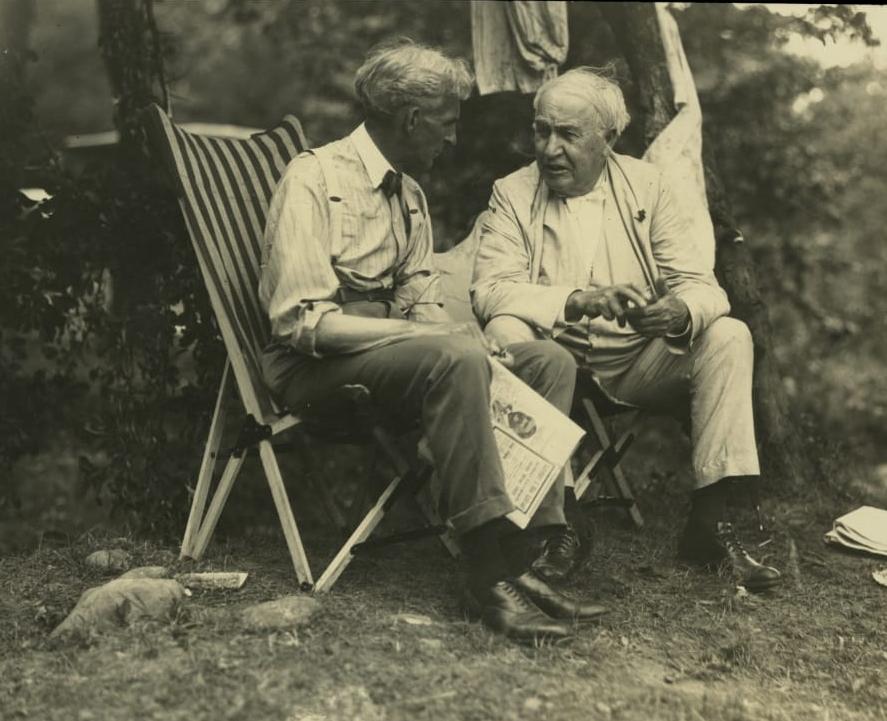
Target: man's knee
727, 338
728, 332
554, 357
459, 353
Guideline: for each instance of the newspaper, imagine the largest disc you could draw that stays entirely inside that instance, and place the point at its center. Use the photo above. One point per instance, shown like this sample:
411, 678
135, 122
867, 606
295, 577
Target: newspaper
535, 441
864, 529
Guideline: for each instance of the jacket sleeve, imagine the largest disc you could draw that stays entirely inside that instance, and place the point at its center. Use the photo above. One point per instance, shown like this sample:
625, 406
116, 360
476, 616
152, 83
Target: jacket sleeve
680, 263
501, 283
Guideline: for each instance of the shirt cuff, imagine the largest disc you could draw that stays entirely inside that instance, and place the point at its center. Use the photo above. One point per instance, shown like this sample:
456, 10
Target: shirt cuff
680, 342
304, 336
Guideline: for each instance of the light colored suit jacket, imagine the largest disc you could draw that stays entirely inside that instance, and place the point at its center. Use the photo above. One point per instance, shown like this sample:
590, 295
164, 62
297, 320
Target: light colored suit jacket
506, 270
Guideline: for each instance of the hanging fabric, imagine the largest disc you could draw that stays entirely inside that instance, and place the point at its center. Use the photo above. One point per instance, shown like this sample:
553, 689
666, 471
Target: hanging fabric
677, 150
517, 45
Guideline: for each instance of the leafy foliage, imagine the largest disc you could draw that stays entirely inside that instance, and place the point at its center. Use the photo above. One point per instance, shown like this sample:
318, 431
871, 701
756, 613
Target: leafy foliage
105, 325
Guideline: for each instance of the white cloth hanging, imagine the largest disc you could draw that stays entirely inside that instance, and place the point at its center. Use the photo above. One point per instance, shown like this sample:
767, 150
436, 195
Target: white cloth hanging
677, 150
517, 45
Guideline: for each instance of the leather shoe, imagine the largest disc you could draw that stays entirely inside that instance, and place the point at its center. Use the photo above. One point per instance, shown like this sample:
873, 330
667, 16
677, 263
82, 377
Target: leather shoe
561, 556
505, 609
553, 603
722, 548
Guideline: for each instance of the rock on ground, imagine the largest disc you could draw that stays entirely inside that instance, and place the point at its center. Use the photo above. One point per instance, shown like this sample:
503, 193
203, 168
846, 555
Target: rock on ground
146, 572
121, 601
285, 612
115, 559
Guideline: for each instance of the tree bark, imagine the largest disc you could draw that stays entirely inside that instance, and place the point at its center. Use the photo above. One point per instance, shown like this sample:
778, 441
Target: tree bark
784, 458
129, 44
16, 114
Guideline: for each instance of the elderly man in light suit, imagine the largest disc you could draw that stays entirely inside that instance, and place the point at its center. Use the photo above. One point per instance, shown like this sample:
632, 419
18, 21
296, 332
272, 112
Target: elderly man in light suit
588, 247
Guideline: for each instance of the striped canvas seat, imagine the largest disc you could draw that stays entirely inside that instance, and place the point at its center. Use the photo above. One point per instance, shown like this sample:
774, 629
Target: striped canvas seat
224, 186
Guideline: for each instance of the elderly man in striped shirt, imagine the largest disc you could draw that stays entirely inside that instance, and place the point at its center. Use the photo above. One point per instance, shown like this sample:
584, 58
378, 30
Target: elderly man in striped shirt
348, 284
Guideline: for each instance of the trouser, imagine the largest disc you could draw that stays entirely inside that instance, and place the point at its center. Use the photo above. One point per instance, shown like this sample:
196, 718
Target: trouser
716, 373
444, 382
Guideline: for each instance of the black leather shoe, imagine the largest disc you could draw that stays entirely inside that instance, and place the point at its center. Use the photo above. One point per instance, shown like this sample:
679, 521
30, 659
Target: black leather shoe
722, 548
506, 610
561, 556
553, 603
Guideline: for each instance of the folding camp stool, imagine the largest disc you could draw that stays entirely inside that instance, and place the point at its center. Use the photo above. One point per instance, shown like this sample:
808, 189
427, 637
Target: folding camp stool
224, 186
601, 481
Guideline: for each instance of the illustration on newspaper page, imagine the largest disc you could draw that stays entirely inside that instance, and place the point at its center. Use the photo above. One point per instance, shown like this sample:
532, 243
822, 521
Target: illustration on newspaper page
535, 441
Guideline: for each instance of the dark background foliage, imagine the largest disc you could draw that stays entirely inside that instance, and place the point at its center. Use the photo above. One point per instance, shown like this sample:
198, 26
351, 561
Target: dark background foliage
106, 337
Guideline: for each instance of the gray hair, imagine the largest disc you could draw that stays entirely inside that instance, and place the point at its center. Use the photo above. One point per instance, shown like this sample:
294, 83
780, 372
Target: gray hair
396, 74
599, 89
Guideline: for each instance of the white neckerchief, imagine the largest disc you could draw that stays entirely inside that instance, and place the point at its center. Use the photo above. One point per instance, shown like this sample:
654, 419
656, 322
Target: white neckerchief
586, 221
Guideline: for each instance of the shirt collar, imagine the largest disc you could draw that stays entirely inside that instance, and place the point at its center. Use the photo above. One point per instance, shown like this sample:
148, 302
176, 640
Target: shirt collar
375, 163
595, 194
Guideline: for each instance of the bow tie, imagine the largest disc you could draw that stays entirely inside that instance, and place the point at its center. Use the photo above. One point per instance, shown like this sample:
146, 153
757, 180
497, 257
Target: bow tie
392, 183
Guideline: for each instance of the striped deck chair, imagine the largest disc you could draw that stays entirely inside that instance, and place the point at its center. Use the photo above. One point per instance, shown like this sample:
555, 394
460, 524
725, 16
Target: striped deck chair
224, 186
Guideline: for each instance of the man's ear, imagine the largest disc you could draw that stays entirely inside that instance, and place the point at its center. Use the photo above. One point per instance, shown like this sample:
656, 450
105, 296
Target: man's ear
610, 138
410, 119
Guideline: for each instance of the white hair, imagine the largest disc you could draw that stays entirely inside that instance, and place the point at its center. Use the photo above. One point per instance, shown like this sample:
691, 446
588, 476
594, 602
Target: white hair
602, 93
396, 74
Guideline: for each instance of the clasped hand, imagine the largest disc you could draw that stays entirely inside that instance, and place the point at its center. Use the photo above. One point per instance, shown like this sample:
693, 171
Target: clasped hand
662, 314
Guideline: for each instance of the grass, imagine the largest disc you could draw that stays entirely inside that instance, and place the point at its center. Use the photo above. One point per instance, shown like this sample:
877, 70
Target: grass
678, 644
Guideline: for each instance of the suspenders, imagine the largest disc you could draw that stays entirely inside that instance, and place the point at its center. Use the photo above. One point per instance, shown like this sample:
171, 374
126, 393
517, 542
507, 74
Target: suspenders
334, 195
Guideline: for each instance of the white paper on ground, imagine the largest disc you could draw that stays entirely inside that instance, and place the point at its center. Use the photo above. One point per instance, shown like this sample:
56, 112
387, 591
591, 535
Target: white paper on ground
213, 580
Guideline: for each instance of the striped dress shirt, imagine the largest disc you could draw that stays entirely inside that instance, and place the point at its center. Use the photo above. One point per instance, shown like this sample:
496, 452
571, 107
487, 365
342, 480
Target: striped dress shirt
303, 266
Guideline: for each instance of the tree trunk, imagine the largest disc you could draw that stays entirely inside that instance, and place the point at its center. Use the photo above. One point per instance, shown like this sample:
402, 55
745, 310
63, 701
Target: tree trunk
783, 455
130, 48
16, 114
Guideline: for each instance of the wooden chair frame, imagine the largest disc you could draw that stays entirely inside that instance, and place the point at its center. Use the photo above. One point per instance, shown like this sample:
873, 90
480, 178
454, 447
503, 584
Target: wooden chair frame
223, 187
604, 466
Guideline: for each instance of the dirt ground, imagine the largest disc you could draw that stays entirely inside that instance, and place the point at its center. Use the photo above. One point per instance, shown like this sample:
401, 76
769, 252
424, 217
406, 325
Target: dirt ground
390, 642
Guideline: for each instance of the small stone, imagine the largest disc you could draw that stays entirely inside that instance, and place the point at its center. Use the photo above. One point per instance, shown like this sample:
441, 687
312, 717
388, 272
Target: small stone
285, 612
115, 559
146, 572
603, 708
432, 644
412, 619
533, 704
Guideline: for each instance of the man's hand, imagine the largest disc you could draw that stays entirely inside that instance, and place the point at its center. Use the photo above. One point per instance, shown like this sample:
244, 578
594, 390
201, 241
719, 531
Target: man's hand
668, 315
609, 301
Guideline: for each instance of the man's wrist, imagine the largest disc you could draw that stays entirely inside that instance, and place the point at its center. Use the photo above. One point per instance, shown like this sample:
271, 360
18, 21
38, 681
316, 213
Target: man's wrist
682, 325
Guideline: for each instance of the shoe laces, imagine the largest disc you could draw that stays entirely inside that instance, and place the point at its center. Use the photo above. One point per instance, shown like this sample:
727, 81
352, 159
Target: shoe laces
727, 535
516, 594
563, 543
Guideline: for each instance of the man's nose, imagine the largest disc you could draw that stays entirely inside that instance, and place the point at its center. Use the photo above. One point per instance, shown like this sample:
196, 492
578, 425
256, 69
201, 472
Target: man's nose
552, 147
